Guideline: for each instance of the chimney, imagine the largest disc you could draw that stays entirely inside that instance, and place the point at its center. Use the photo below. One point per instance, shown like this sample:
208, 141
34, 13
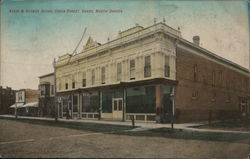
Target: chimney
196, 40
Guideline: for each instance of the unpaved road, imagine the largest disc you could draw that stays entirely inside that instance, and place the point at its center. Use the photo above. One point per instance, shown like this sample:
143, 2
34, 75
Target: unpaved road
20, 139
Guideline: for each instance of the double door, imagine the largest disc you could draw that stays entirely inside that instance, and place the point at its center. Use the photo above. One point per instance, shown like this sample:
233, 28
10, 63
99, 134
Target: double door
117, 108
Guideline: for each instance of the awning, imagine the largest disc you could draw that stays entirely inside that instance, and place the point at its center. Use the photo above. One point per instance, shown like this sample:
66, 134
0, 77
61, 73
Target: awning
18, 105
34, 104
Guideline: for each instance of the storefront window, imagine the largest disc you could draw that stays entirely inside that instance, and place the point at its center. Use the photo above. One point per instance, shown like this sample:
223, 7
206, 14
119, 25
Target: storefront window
107, 97
75, 103
141, 99
90, 102
167, 102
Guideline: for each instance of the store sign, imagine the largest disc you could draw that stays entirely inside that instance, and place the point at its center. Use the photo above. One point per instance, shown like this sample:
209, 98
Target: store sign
20, 96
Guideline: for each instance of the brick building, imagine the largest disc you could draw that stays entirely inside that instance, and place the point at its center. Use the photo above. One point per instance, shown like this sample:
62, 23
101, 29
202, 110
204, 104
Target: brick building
150, 74
7, 98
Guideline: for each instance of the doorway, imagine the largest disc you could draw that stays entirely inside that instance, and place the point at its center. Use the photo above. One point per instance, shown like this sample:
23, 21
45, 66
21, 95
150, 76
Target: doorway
117, 108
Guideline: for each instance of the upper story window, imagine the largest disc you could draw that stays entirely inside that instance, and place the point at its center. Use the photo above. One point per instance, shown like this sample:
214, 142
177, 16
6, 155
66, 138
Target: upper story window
73, 81
220, 78
60, 85
213, 78
103, 75
195, 72
84, 79
66, 85
147, 67
167, 67
52, 89
132, 69
42, 90
194, 94
93, 77
119, 71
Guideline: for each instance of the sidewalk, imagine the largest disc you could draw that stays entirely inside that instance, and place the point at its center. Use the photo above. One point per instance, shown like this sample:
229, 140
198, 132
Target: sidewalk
140, 125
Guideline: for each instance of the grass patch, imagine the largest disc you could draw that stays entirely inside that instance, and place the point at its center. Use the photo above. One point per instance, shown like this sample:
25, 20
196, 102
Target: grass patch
188, 135
242, 125
95, 127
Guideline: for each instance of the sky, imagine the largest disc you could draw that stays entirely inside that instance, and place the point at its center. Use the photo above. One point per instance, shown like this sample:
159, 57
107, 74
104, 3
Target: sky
31, 40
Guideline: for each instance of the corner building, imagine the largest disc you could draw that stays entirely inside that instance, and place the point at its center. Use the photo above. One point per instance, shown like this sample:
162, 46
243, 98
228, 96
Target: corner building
149, 74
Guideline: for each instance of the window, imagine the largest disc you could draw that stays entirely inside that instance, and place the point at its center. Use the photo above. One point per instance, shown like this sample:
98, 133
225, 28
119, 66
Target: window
42, 91
132, 69
194, 94
66, 85
228, 98
93, 77
167, 67
213, 97
195, 72
220, 82
213, 78
60, 85
147, 67
119, 71
103, 75
83, 79
73, 84
52, 89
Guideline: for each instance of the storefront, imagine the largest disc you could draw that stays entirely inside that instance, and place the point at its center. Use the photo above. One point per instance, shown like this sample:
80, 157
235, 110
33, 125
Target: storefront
146, 103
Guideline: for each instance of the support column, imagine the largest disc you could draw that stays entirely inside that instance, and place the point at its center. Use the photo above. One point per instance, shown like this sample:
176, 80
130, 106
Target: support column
100, 107
80, 105
124, 104
158, 102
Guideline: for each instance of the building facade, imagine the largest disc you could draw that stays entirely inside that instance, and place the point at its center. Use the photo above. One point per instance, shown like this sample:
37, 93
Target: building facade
149, 74
47, 95
26, 102
7, 98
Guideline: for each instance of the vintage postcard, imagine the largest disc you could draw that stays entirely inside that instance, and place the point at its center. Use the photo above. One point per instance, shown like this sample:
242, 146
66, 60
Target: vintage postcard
124, 79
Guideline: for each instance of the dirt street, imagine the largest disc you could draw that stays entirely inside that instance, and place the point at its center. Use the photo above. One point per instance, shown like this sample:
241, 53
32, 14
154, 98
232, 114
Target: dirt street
20, 139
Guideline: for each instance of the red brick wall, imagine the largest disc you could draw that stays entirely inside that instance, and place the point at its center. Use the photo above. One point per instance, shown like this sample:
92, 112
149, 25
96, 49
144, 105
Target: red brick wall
31, 96
233, 84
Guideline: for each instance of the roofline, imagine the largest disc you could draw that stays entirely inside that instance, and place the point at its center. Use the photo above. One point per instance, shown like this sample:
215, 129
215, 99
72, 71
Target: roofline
213, 55
50, 74
186, 42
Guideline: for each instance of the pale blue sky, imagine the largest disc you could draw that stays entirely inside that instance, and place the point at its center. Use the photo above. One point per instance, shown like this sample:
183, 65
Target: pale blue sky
30, 41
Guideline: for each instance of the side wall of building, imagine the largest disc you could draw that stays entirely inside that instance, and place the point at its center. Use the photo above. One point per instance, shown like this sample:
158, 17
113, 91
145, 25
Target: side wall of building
207, 90
7, 98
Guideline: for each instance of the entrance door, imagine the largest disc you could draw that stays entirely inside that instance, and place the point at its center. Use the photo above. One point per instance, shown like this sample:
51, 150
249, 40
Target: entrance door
117, 107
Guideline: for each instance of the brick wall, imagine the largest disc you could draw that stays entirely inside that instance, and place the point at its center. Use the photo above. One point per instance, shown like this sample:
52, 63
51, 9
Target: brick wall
197, 96
31, 96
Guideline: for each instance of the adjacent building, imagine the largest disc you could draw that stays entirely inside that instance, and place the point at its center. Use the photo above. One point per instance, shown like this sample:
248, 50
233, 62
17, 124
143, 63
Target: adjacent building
150, 74
47, 95
7, 98
26, 102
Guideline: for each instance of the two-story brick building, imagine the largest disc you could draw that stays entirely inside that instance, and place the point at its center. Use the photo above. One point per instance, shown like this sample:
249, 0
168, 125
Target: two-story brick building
7, 98
150, 73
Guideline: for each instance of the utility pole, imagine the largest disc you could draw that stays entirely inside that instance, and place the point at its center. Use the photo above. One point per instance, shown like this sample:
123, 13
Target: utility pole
55, 98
